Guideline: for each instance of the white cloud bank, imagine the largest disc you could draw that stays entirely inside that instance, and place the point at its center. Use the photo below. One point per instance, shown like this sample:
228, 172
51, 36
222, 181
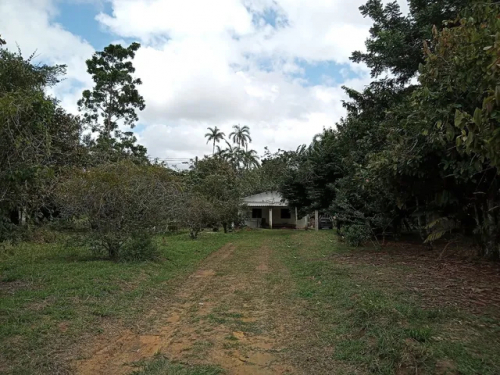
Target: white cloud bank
212, 63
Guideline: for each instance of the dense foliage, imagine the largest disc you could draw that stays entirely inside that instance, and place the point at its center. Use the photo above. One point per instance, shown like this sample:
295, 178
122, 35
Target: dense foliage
120, 202
113, 101
418, 150
39, 140
414, 156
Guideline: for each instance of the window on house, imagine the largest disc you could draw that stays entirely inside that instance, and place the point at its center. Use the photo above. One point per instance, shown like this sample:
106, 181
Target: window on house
285, 213
256, 213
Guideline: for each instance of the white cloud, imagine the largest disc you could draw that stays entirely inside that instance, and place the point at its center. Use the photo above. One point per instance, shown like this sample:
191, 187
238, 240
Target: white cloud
201, 65
176, 19
213, 63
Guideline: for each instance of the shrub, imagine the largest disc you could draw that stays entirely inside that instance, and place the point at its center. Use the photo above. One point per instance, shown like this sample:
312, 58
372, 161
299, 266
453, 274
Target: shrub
356, 234
139, 247
197, 213
117, 201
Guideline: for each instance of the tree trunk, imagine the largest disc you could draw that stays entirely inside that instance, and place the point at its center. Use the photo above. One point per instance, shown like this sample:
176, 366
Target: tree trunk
224, 225
419, 222
193, 233
491, 231
113, 251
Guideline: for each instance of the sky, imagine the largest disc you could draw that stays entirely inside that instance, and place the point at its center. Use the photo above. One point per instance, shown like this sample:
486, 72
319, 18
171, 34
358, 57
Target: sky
277, 66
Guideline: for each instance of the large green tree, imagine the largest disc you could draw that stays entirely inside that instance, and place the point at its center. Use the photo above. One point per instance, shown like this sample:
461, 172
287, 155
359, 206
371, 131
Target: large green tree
39, 139
413, 155
113, 101
117, 201
459, 102
396, 39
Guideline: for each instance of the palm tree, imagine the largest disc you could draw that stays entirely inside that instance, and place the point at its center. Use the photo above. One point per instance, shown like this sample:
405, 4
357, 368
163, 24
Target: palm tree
232, 154
214, 135
250, 159
241, 135
301, 150
221, 152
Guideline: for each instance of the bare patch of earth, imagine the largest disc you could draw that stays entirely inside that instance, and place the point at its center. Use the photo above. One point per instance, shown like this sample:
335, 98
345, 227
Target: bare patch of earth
223, 314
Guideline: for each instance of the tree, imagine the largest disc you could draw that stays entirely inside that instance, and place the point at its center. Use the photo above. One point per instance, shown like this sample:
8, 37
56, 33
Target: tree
119, 200
239, 158
241, 135
233, 155
384, 167
39, 139
309, 174
217, 182
395, 42
250, 159
214, 135
460, 100
197, 213
114, 99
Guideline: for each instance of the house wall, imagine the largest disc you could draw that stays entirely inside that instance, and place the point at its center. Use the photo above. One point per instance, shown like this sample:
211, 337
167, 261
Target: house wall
277, 220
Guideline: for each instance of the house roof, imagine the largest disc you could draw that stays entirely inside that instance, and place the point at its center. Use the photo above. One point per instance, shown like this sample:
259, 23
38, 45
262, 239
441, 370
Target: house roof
266, 199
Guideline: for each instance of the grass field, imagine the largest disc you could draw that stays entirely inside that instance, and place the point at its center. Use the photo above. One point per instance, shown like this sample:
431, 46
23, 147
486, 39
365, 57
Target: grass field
52, 296
264, 302
374, 317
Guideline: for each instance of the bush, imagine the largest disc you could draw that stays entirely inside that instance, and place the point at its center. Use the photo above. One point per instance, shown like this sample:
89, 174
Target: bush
356, 234
197, 213
117, 201
41, 235
139, 247
8, 231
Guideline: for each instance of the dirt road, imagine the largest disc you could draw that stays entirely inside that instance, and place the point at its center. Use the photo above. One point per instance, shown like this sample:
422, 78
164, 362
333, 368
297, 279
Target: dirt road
226, 314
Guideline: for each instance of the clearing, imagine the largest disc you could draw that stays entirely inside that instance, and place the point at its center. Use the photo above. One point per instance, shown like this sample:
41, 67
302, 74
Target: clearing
260, 302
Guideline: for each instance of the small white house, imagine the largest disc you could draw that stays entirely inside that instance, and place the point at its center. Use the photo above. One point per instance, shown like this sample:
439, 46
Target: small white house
270, 210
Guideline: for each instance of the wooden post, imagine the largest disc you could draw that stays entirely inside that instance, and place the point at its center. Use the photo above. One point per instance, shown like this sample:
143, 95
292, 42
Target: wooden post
316, 220
296, 218
270, 217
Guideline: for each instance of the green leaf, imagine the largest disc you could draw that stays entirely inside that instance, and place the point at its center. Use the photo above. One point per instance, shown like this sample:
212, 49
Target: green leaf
469, 139
477, 117
459, 116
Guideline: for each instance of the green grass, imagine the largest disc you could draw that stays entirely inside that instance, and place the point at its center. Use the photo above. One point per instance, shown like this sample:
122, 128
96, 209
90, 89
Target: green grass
162, 366
54, 297
378, 330
52, 294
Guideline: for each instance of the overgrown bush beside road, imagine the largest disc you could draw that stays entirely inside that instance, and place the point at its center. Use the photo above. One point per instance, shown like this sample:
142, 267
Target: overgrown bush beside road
119, 203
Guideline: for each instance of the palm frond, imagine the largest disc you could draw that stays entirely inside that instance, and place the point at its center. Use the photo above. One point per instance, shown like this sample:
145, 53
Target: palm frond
440, 227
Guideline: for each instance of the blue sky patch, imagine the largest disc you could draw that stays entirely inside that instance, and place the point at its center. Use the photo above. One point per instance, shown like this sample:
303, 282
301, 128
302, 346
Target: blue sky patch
325, 73
79, 19
269, 17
